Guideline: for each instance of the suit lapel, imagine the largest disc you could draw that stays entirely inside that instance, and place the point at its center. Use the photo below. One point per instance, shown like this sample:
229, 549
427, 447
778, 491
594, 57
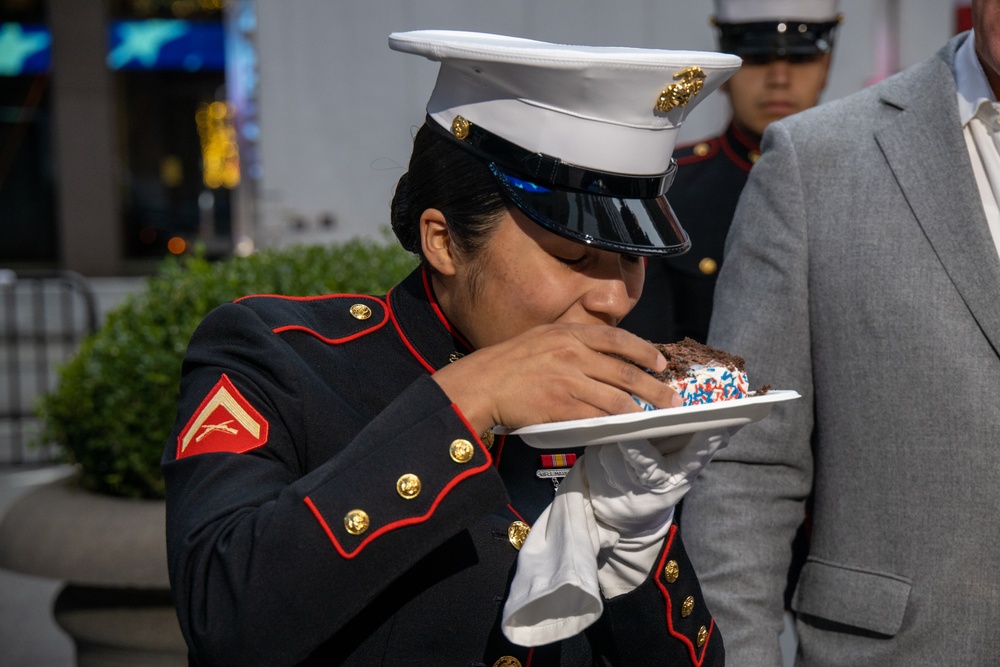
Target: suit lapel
926, 151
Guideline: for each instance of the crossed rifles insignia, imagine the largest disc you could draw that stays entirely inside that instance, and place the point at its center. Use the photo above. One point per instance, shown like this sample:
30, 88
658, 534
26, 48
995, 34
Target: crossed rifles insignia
224, 422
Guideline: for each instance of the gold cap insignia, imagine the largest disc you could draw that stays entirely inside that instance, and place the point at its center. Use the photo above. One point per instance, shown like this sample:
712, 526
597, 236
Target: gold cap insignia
689, 83
460, 127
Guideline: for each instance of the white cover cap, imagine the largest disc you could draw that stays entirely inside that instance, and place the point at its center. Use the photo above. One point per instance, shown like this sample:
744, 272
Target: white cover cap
748, 11
589, 106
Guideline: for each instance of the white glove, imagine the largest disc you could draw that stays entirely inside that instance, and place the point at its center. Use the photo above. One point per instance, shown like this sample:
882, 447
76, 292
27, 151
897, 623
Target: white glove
633, 493
602, 532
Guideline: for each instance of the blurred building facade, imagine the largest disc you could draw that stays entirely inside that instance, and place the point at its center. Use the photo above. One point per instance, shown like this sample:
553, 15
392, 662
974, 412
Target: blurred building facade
108, 114
130, 129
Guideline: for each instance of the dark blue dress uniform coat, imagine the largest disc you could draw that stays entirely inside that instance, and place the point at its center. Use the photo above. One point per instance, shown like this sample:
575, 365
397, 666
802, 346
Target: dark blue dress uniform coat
677, 296
328, 504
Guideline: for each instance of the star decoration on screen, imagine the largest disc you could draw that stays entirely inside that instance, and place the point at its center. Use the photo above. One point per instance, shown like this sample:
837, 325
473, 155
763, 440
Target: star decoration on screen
17, 45
142, 41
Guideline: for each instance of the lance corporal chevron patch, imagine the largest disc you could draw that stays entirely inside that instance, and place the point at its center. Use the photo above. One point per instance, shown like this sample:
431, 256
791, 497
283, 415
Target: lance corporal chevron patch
224, 422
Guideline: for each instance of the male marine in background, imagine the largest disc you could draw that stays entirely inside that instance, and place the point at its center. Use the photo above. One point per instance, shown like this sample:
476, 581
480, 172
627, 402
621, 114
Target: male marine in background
786, 48
862, 270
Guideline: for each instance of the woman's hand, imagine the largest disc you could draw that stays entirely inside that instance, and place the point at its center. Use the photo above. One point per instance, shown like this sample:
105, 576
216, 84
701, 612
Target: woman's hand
553, 373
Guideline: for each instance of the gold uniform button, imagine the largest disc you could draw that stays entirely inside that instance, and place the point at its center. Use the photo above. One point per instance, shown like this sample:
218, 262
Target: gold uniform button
360, 311
487, 437
702, 636
408, 486
754, 156
701, 149
356, 522
507, 661
671, 571
687, 606
708, 266
517, 533
461, 451
460, 127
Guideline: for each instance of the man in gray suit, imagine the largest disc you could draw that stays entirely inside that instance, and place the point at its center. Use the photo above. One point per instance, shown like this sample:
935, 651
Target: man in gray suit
862, 270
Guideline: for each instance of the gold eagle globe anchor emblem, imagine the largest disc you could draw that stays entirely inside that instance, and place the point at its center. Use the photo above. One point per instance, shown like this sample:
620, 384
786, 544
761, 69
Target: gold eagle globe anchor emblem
689, 83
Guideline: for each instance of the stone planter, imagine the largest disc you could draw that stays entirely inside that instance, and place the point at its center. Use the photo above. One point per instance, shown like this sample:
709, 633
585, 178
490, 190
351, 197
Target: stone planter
111, 552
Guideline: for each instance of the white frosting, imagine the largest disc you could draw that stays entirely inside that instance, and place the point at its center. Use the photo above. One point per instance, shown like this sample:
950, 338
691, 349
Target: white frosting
707, 384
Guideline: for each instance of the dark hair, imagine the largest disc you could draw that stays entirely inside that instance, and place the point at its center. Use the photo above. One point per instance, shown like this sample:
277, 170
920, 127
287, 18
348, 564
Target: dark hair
445, 176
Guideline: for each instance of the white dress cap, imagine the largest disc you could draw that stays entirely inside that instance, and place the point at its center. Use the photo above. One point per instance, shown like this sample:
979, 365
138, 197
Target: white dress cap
748, 11
589, 106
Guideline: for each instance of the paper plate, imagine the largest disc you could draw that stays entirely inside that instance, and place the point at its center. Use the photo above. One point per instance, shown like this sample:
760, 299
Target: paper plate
654, 424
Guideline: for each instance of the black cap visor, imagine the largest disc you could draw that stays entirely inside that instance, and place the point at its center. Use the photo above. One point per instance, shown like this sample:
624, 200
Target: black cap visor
617, 212
646, 226
776, 39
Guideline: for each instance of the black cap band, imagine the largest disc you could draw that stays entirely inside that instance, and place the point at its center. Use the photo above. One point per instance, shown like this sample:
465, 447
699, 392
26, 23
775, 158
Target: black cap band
777, 38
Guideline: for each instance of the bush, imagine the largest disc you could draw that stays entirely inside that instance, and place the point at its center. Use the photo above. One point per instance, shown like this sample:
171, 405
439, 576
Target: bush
116, 400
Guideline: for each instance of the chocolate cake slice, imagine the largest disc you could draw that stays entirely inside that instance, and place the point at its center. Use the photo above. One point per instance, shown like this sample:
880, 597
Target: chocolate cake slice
702, 374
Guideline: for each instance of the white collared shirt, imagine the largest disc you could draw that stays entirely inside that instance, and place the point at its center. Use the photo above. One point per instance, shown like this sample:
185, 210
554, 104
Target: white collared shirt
980, 115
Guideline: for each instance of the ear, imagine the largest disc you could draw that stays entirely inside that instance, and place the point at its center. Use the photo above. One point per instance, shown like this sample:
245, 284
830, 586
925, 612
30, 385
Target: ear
435, 241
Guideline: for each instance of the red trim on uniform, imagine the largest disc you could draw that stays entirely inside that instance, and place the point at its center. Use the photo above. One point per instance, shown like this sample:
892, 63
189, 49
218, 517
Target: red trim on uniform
747, 143
744, 138
734, 157
713, 150
399, 330
313, 332
496, 458
402, 523
329, 341
696, 660
510, 506
437, 310
531, 653
516, 513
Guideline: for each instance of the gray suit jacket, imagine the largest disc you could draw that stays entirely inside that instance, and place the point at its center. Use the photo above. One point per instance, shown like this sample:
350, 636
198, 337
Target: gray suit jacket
860, 271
